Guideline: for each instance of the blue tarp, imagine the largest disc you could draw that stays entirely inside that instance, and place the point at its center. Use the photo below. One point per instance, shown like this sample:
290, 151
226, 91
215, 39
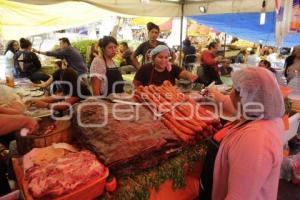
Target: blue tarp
246, 26
291, 40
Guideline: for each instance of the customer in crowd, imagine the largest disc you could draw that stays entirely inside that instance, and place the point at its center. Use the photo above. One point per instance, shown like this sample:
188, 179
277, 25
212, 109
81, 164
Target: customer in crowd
264, 52
93, 53
290, 59
241, 57
252, 59
60, 66
248, 161
70, 54
9, 124
70, 94
145, 48
226, 69
161, 69
266, 64
210, 62
292, 64
11, 119
126, 54
104, 67
11, 108
189, 53
11, 48
27, 64
272, 57
126, 66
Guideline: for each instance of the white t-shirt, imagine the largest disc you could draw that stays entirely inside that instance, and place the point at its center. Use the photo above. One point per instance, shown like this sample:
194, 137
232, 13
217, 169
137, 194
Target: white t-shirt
253, 60
9, 61
98, 67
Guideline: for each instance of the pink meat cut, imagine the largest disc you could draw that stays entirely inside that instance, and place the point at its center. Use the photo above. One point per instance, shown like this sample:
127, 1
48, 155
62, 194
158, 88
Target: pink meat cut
63, 175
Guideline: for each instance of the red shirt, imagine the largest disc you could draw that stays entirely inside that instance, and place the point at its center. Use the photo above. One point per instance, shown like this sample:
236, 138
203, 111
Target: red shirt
208, 59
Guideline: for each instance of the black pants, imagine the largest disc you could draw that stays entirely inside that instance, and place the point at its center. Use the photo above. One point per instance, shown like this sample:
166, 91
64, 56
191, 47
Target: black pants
6, 139
210, 75
4, 165
208, 170
4, 186
38, 76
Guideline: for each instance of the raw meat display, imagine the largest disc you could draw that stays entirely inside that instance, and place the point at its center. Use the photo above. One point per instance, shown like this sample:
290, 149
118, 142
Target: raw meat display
124, 145
63, 175
181, 114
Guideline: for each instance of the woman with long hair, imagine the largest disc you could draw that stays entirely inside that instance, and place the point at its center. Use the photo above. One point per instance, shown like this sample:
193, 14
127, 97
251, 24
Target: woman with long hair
103, 67
94, 52
292, 64
11, 48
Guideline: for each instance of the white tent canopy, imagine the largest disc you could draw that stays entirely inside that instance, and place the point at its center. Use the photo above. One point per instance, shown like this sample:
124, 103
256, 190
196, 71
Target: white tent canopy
21, 18
170, 8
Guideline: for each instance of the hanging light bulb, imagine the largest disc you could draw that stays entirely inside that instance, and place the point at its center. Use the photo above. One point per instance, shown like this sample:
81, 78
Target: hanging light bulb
262, 19
202, 9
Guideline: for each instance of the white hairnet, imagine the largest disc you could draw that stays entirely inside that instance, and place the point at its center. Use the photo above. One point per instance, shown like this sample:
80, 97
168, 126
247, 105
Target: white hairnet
158, 49
259, 86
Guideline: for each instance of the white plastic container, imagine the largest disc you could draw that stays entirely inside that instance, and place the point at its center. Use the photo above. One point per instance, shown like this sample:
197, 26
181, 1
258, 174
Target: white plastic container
293, 127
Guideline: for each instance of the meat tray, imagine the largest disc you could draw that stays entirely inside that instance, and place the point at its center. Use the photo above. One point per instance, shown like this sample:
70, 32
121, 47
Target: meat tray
88, 191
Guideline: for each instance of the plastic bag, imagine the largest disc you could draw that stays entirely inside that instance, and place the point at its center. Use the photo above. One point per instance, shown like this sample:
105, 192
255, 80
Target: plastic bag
296, 169
287, 168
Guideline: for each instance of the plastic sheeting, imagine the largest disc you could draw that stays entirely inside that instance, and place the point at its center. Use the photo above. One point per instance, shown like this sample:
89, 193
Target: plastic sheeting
21, 20
291, 40
246, 26
242, 25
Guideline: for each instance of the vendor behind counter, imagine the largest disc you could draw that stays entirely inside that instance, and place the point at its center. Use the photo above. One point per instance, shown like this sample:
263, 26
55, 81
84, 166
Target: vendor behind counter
161, 69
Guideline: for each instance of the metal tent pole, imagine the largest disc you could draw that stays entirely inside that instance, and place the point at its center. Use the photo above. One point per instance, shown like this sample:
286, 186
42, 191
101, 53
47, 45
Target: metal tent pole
181, 29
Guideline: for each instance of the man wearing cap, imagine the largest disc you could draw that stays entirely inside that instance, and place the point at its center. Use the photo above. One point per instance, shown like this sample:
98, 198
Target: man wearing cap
145, 48
160, 69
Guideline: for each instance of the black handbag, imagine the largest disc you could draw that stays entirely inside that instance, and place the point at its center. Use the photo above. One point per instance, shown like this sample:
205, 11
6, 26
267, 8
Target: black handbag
206, 179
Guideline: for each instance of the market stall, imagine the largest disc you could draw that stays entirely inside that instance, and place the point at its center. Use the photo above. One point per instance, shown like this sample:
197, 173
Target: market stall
152, 156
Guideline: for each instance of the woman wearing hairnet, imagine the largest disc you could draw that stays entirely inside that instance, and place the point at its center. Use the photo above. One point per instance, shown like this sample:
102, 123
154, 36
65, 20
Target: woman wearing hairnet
160, 69
248, 161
